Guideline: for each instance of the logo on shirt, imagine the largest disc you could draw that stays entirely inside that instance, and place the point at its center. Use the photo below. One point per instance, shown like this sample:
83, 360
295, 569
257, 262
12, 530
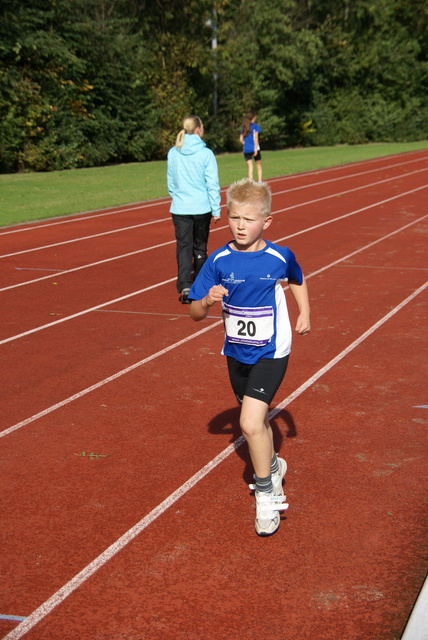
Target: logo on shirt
232, 279
268, 277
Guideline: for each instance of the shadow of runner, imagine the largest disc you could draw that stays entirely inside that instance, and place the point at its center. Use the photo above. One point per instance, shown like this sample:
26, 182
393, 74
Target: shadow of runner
227, 422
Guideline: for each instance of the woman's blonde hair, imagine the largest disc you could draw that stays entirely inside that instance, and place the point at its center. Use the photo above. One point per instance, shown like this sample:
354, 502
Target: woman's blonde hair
190, 124
248, 191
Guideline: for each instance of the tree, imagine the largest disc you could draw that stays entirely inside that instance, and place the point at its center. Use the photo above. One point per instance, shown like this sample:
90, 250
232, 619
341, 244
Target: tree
372, 80
89, 82
267, 64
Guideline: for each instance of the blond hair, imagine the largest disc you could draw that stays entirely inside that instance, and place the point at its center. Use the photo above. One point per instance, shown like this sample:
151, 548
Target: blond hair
248, 191
190, 124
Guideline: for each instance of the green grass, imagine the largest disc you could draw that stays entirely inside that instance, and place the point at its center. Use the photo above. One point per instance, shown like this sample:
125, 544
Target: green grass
36, 196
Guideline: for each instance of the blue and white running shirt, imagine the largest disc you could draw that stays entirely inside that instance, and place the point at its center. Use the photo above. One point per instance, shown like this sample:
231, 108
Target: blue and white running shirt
249, 140
255, 312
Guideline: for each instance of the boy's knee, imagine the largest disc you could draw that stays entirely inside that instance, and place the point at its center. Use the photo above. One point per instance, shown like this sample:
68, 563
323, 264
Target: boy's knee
249, 427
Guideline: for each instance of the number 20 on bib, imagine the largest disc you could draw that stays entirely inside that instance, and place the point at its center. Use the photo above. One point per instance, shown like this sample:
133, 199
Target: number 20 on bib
248, 325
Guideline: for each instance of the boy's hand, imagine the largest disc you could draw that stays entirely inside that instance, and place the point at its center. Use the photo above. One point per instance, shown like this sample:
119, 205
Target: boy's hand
215, 294
199, 309
303, 325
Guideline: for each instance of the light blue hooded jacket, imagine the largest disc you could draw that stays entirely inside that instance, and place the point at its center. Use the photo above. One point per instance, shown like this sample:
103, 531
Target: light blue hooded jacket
193, 178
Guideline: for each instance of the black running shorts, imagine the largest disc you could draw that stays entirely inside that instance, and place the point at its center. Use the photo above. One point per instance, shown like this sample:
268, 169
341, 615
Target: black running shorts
251, 156
260, 380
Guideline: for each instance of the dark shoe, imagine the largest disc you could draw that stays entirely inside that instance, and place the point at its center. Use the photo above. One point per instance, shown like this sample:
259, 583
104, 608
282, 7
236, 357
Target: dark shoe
184, 298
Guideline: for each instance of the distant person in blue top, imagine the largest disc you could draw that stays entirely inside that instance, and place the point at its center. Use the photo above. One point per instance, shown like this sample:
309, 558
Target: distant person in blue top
246, 276
250, 139
194, 187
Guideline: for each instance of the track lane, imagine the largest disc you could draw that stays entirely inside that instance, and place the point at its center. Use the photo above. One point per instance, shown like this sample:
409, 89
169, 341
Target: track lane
342, 584
57, 260
117, 340
405, 159
151, 263
356, 303
163, 619
157, 212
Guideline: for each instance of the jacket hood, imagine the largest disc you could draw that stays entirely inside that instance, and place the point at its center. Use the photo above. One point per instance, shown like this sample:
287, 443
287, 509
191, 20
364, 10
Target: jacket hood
192, 144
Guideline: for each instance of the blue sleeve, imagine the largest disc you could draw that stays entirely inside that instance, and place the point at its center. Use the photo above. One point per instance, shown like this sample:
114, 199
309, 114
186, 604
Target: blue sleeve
212, 184
295, 273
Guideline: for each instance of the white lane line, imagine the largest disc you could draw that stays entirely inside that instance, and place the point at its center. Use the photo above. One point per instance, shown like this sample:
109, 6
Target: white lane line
375, 266
57, 598
91, 237
355, 175
143, 224
348, 349
367, 246
135, 293
82, 313
351, 213
92, 264
417, 625
164, 244
216, 324
36, 269
359, 163
90, 215
131, 206
171, 314
101, 383
371, 244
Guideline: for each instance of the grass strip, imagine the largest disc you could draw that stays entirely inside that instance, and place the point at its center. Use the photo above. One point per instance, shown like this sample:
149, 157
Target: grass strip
37, 196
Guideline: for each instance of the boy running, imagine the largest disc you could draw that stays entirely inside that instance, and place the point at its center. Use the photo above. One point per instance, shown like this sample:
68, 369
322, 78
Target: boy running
245, 276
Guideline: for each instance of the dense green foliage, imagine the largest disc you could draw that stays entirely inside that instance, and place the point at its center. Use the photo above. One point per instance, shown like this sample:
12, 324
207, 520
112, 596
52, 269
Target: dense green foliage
93, 82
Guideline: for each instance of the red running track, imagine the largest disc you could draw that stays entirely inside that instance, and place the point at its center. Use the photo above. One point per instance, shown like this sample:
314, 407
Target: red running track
152, 536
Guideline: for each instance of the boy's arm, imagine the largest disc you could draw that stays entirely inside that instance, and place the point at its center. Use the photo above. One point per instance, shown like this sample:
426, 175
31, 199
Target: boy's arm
199, 308
300, 294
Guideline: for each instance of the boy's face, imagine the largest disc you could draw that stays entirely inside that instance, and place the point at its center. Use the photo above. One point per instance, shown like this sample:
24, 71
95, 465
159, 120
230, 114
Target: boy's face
247, 226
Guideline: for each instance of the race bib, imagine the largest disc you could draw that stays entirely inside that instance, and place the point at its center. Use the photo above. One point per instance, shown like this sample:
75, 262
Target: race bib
248, 325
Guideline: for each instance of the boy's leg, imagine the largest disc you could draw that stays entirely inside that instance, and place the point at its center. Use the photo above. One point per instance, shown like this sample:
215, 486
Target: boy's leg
262, 380
270, 499
262, 451
255, 386
257, 432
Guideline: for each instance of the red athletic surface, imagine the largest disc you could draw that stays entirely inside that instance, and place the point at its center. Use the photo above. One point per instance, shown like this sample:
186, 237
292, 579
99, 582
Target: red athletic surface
117, 545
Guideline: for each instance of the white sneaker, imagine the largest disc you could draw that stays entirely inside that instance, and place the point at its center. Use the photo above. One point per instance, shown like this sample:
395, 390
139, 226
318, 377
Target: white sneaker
268, 506
278, 477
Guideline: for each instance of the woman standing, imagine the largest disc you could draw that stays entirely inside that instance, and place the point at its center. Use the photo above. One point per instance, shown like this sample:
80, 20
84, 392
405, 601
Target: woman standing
249, 137
195, 191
